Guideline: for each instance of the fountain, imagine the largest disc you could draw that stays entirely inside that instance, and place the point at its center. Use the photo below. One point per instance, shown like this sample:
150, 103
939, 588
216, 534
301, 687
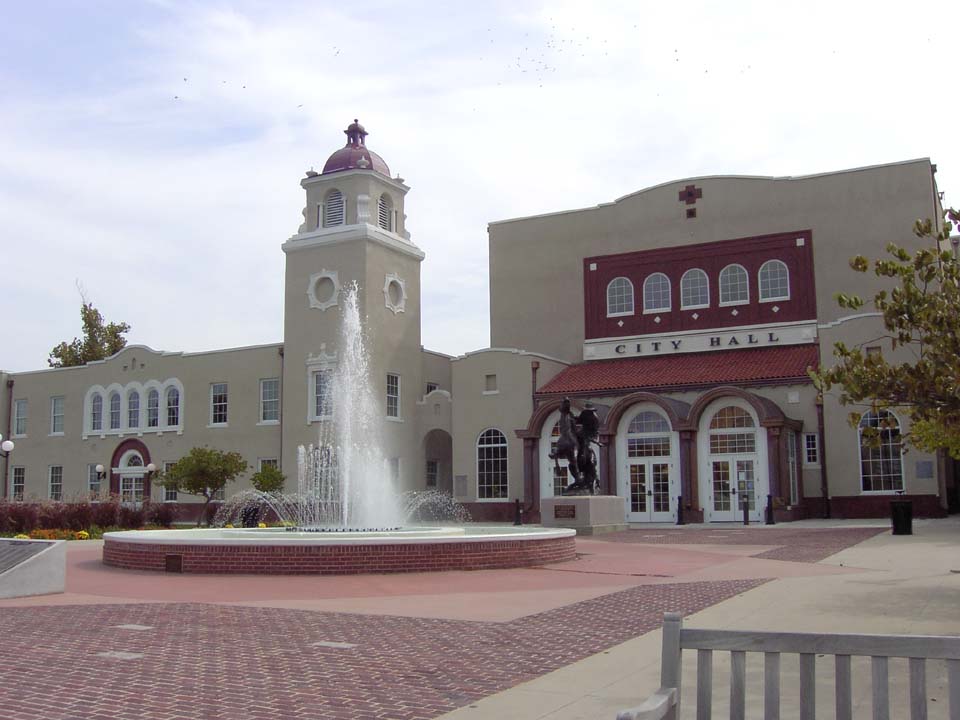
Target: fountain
346, 516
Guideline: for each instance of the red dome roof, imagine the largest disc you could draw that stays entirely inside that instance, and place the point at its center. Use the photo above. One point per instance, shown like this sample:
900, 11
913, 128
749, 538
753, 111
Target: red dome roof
355, 155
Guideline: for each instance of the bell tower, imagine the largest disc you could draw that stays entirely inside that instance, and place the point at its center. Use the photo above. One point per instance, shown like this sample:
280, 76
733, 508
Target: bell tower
353, 231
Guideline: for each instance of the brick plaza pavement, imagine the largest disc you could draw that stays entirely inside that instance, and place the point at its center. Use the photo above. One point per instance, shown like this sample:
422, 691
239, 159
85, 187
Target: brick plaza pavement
185, 659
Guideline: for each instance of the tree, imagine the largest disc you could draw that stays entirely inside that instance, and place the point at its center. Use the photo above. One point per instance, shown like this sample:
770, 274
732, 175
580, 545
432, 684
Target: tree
921, 314
203, 471
100, 340
268, 479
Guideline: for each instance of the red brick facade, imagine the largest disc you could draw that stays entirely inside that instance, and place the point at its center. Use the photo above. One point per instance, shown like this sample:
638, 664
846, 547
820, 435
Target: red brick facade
340, 559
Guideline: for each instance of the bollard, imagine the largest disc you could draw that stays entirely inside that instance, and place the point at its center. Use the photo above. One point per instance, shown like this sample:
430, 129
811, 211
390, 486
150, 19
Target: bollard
745, 504
517, 513
770, 520
679, 509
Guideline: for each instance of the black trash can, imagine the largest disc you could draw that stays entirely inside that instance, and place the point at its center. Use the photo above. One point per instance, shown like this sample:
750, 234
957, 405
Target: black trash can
901, 516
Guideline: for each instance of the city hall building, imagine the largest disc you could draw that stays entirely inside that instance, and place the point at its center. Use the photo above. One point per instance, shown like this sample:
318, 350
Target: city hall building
688, 314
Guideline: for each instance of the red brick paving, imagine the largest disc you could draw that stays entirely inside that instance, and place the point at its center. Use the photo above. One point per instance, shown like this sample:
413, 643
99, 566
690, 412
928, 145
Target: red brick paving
227, 662
796, 544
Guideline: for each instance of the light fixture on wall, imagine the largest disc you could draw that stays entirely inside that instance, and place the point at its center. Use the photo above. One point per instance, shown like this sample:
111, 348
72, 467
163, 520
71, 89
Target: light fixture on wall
101, 472
151, 469
6, 447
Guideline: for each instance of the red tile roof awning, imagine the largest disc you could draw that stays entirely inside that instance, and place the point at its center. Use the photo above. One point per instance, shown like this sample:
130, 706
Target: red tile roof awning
724, 367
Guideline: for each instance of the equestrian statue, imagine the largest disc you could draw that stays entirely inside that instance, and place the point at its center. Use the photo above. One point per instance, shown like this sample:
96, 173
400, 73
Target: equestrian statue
577, 434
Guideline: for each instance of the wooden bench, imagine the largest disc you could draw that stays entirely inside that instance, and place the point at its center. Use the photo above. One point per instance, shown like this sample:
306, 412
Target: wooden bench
665, 703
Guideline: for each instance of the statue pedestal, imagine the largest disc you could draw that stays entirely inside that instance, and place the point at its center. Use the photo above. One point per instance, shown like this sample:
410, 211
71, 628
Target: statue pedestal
587, 514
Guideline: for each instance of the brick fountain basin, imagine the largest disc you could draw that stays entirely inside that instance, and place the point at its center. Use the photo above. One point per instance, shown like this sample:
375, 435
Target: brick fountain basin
277, 551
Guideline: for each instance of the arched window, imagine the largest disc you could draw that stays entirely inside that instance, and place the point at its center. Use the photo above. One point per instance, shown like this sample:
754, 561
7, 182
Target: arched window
694, 289
96, 412
133, 409
153, 409
173, 407
734, 285
648, 435
774, 281
881, 465
385, 212
619, 297
334, 209
732, 430
492, 465
115, 411
656, 293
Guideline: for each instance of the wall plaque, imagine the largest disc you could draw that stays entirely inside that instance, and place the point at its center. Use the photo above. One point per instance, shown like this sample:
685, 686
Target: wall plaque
564, 512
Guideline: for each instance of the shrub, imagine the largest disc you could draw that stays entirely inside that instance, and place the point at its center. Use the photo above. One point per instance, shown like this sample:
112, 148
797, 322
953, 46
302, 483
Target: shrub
53, 515
131, 517
162, 514
78, 515
210, 513
24, 517
6, 526
106, 512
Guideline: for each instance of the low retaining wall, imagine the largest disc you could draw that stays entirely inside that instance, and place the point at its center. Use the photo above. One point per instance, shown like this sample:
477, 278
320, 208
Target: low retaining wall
340, 559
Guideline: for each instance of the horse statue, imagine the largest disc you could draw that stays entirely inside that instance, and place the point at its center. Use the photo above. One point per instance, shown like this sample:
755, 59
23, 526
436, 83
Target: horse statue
568, 442
573, 445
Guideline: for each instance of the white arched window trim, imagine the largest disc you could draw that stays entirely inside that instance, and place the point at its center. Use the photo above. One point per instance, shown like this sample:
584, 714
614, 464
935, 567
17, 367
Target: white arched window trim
624, 299
786, 273
502, 455
694, 272
649, 310
892, 490
745, 274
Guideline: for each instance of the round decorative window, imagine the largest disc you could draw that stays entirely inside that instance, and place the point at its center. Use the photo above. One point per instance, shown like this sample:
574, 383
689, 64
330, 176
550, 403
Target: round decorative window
394, 293
323, 289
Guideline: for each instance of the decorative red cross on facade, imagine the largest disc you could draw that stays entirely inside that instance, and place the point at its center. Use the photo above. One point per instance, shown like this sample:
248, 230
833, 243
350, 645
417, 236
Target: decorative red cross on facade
690, 194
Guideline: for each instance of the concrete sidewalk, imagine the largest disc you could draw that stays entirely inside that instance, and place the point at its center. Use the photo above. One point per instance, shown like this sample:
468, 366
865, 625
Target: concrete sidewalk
904, 585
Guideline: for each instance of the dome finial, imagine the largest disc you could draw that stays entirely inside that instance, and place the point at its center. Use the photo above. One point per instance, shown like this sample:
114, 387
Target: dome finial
355, 133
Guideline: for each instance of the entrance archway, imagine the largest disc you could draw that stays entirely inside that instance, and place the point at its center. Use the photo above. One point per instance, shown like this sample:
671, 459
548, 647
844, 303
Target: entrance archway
648, 464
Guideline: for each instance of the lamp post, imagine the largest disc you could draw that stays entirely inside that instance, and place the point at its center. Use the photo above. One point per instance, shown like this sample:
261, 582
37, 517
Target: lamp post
6, 447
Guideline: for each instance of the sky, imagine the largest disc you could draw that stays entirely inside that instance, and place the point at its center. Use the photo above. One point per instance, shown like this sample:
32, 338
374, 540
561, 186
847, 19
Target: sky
151, 150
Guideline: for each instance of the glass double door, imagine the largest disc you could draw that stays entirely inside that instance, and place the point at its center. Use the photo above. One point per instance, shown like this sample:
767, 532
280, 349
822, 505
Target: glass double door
650, 485
733, 483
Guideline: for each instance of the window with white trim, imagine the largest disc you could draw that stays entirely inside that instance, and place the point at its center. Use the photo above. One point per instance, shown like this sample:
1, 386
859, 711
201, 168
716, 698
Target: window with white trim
133, 409
267, 462
270, 400
432, 473
93, 481
169, 493
96, 412
694, 289
334, 209
656, 293
393, 395
173, 407
734, 285
431, 386
19, 417
56, 415
55, 482
811, 449
322, 405
881, 466
619, 297
18, 480
114, 411
492, 465
385, 212
218, 403
774, 280
153, 409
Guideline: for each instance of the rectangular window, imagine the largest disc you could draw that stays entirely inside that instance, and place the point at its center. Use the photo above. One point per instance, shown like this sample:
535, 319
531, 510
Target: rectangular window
431, 387
173, 407
270, 400
723, 444
220, 495
153, 409
792, 467
169, 493
218, 404
267, 462
56, 416
93, 481
811, 449
56, 482
490, 383
18, 479
433, 469
322, 394
393, 395
131, 489
19, 417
